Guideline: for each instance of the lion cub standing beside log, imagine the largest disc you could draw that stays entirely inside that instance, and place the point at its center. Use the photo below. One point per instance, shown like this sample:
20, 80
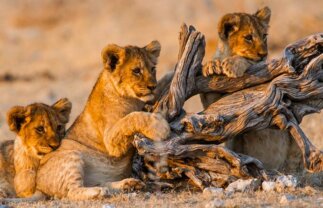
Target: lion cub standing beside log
242, 43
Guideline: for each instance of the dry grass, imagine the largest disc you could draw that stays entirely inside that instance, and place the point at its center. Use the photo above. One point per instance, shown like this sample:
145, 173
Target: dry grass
187, 199
64, 39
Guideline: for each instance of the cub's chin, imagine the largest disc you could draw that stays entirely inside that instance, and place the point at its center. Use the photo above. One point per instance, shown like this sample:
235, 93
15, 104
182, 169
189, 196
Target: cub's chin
255, 59
35, 153
40, 152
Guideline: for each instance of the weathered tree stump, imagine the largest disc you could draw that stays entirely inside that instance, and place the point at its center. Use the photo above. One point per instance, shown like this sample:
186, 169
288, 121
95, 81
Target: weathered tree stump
277, 93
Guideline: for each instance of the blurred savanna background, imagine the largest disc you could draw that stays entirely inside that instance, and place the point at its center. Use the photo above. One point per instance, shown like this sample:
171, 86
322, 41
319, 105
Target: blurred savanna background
51, 48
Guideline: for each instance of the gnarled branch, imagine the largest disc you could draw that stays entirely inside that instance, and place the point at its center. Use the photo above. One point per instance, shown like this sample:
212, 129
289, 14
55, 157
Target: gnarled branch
276, 93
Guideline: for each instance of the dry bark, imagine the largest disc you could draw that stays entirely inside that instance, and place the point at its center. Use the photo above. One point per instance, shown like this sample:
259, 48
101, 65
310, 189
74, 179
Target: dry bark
278, 93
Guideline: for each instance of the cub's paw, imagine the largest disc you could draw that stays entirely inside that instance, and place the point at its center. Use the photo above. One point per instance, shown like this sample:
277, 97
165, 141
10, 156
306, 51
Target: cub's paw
157, 128
131, 184
234, 67
211, 68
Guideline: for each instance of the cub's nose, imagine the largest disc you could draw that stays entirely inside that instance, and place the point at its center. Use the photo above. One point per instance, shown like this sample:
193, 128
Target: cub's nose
54, 145
152, 87
262, 54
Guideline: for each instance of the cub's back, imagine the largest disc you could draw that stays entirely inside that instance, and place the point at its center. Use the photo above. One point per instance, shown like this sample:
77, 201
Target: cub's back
6, 156
7, 170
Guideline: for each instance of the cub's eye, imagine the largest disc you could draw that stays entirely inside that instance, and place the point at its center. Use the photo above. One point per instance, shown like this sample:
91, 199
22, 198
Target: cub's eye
40, 130
153, 69
265, 36
248, 38
136, 71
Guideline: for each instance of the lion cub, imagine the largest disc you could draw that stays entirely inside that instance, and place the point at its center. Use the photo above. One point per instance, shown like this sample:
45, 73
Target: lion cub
39, 130
94, 159
243, 42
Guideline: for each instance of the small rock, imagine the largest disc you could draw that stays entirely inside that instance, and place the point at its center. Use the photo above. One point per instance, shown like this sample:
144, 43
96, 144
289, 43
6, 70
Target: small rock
268, 185
108, 206
283, 182
212, 192
243, 185
292, 182
289, 181
147, 195
215, 203
286, 198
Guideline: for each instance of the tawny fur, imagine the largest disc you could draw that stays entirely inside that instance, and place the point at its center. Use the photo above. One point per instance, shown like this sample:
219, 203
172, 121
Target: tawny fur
7, 170
94, 159
242, 43
39, 130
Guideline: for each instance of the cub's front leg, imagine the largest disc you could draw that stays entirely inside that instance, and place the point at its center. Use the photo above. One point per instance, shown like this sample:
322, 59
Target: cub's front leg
25, 183
235, 66
118, 139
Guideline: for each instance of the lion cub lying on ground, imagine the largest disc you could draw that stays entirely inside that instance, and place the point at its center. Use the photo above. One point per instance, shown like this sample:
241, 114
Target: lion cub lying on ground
39, 130
94, 159
242, 43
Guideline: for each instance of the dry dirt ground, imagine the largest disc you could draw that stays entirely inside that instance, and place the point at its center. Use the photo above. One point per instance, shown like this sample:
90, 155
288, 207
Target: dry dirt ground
51, 49
189, 199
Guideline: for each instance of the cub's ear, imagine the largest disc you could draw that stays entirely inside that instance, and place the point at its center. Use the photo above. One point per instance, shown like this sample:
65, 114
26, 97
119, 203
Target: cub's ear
153, 50
227, 25
112, 55
264, 15
16, 117
63, 107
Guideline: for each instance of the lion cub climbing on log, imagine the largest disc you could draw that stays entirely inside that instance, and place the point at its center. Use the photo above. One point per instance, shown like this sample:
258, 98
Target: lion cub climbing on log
242, 43
39, 128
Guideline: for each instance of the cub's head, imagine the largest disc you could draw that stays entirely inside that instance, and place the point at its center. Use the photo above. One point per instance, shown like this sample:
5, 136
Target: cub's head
246, 34
132, 69
40, 127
